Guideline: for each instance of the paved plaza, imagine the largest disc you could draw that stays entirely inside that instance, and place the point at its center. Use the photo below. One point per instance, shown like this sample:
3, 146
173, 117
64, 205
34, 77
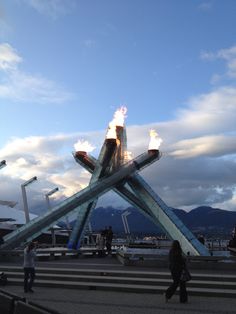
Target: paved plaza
71, 301
68, 301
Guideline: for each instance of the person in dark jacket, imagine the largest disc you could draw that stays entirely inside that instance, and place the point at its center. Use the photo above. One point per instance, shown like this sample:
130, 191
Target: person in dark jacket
109, 237
29, 266
176, 266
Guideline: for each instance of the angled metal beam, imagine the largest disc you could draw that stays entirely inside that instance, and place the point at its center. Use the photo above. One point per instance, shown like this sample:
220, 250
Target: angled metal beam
153, 207
110, 159
42, 223
88, 162
84, 212
161, 212
167, 218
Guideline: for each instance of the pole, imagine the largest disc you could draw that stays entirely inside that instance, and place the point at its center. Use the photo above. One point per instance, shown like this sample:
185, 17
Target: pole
3, 164
25, 203
49, 194
47, 201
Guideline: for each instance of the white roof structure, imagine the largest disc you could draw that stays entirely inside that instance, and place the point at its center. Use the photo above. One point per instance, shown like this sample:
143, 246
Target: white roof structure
16, 214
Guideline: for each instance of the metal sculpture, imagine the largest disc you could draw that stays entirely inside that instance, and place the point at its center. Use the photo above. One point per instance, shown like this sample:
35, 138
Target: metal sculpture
112, 171
133, 189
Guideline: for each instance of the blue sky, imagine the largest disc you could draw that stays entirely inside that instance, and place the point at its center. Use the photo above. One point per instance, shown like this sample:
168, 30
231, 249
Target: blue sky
67, 65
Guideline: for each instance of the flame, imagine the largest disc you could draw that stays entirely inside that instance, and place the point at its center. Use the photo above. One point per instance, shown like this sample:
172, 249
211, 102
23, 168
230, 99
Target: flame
127, 156
83, 146
118, 120
155, 140
111, 131
119, 116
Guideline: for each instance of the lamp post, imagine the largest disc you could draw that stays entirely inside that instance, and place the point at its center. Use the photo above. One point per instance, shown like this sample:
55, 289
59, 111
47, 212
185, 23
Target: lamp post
3, 164
125, 222
49, 194
49, 207
26, 209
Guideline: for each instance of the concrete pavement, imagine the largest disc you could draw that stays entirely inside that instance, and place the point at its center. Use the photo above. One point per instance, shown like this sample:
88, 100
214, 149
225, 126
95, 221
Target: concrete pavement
70, 301
104, 302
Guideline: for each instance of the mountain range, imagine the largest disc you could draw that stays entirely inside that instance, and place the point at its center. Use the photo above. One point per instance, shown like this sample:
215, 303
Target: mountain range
205, 220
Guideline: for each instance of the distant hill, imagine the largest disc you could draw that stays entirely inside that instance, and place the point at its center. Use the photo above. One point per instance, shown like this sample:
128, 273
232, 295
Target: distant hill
208, 220
204, 219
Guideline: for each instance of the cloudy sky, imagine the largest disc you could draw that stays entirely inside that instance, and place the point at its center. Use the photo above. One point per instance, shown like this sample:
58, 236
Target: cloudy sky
67, 65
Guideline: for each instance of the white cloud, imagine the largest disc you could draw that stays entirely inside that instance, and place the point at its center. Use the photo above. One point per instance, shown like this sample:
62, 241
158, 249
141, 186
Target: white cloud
199, 152
215, 79
72, 181
228, 55
51, 8
218, 145
50, 159
207, 55
210, 113
205, 6
8, 57
199, 146
17, 85
197, 168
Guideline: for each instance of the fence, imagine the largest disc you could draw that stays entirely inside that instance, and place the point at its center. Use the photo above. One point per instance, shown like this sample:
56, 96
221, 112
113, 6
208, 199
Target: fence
13, 304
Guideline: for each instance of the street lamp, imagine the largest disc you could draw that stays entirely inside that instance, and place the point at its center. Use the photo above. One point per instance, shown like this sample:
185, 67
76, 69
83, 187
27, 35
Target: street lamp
49, 194
125, 221
49, 207
26, 209
3, 164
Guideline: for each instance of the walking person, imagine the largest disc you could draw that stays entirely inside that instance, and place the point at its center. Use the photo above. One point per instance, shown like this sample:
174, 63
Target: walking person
109, 237
176, 266
100, 243
29, 267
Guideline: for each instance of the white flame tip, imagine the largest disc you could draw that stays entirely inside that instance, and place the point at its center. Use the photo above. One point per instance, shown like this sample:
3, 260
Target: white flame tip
155, 140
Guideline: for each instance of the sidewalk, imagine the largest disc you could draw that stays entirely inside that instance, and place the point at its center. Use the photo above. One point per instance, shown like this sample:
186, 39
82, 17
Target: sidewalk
110, 263
69, 301
104, 302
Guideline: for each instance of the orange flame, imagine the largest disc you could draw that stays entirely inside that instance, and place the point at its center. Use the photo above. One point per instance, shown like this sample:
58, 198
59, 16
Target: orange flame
155, 140
83, 146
